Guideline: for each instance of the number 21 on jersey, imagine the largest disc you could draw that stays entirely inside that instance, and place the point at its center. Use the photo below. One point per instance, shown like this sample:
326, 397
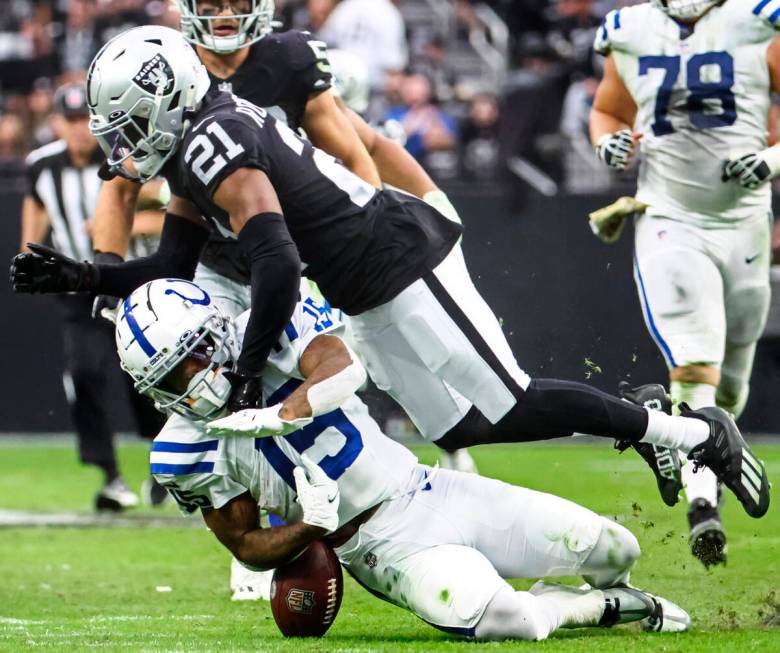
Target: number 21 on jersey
710, 77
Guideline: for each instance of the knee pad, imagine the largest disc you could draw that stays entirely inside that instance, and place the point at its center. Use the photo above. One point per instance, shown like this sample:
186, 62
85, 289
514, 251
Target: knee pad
746, 311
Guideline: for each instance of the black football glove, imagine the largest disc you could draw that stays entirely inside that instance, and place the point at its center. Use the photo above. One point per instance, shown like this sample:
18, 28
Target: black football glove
105, 302
45, 270
749, 171
247, 392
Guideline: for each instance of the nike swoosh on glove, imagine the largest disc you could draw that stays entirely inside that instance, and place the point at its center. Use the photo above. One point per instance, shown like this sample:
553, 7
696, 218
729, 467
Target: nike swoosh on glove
616, 149
256, 423
749, 171
318, 495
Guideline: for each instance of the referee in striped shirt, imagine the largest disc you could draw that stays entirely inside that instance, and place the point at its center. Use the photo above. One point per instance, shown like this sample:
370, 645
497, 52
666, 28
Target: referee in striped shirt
62, 192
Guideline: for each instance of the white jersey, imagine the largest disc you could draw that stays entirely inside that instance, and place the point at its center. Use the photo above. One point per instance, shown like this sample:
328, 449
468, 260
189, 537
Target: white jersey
203, 471
703, 98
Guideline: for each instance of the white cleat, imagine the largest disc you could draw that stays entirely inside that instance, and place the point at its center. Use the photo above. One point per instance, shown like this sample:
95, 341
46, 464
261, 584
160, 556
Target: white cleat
115, 496
672, 618
248, 585
459, 460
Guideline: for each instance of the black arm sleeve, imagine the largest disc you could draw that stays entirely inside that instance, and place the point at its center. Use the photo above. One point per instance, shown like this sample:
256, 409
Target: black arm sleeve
275, 270
181, 243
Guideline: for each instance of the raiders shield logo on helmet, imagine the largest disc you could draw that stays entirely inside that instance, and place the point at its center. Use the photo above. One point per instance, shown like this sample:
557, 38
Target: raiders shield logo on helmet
154, 74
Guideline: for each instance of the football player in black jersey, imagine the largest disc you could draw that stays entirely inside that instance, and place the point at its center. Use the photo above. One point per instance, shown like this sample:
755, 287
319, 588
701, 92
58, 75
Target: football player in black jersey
386, 259
287, 73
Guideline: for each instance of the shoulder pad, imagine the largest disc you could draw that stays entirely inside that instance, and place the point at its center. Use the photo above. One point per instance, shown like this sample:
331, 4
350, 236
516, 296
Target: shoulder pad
626, 28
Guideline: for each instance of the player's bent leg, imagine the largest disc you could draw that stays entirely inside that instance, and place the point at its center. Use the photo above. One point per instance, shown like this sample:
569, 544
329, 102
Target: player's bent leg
612, 558
734, 387
437, 348
695, 385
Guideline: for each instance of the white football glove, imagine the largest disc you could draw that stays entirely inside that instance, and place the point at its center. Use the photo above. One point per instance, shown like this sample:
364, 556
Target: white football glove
255, 423
749, 171
318, 495
616, 149
607, 223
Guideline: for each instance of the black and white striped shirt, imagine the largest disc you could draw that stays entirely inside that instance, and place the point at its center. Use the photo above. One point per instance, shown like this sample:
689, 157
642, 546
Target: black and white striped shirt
69, 195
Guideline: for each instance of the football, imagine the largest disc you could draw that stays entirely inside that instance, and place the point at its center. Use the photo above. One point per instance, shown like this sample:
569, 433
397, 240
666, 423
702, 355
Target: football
306, 593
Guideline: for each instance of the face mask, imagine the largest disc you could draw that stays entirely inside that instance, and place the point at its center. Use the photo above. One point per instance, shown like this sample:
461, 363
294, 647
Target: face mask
207, 393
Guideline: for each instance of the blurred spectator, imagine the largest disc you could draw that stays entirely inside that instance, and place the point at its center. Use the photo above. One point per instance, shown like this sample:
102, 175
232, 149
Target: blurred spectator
39, 105
11, 152
371, 29
480, 149
77, 42
428, 129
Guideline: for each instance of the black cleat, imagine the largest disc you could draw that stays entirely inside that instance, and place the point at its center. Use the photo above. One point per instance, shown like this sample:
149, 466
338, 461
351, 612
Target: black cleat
727, 454
664, 462
708, 539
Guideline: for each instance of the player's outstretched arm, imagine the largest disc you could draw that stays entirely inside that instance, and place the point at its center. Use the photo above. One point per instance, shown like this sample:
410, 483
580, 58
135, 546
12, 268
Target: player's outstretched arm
275, 270
395, 165
236, 527
114, 214
330, 130
45, 270
756, 168
612, 119
332, 374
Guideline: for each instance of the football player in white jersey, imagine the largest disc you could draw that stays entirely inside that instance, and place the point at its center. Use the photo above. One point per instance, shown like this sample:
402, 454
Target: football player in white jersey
315, 458
688, 83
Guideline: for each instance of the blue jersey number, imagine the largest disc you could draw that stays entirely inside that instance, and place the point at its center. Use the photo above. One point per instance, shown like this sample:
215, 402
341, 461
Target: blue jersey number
700, 91
333, 465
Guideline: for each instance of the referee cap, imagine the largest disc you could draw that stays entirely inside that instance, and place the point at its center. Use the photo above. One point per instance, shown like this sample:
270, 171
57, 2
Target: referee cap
70, 100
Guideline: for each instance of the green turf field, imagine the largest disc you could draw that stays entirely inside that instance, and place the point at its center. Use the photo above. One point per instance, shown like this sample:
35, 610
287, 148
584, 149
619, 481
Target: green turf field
75, 589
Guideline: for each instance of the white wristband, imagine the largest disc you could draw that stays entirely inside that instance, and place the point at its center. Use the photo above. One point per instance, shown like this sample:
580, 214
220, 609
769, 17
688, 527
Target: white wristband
330, 394
771, 156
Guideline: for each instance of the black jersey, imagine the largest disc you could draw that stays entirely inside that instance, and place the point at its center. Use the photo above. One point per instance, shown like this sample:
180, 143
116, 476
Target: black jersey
282, 71
362, 246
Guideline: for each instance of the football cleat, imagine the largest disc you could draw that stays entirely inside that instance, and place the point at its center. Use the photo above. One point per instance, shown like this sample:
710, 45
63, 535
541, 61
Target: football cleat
248, 585
671, 618
459, 460
708, 539
664, 462
153, 494
115, 496
727, 454
624, 604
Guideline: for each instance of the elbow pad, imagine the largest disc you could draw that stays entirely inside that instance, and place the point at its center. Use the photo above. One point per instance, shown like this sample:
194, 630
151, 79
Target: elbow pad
331, 393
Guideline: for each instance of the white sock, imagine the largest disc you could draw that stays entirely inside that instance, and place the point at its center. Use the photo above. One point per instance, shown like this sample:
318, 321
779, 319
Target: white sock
696, 395
703, 484
674, 432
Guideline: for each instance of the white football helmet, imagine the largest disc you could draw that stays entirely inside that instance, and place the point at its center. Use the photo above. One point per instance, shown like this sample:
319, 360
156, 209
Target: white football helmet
141, 87
162, 323
686, 9
255, 20
351, 79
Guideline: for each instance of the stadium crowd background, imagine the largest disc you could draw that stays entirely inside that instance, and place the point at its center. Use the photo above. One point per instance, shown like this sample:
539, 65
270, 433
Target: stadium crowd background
488, 91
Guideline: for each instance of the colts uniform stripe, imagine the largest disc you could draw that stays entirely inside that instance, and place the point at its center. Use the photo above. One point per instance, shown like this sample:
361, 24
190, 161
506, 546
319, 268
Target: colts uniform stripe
757, 9
196, 468
185, 447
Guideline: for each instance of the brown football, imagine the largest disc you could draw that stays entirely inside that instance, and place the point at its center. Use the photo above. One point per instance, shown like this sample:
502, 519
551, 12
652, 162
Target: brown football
306, 593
